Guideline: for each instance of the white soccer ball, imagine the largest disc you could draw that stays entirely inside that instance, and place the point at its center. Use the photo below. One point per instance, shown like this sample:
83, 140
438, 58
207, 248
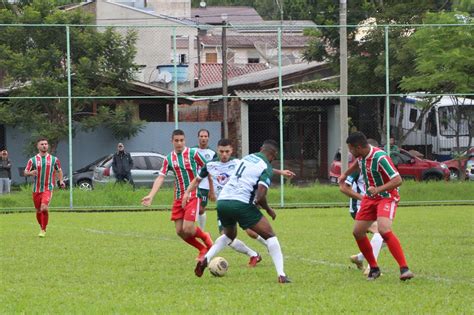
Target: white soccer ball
218, 266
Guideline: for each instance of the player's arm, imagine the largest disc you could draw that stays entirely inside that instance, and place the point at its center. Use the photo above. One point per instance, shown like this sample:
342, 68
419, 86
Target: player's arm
148, 199
29, 171
286, 173
212, 192
352, 169
347, 190
390, 185
61, 178
192, 186
261, 200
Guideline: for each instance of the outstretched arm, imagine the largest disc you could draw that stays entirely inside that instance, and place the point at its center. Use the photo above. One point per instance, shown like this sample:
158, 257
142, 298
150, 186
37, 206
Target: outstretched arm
148, 199
286, 173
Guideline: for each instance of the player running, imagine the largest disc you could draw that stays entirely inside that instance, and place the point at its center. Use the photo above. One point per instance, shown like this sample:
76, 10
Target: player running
220, 169
183, 162
238, 201
43, 167
380, 203
208, 154
354, 187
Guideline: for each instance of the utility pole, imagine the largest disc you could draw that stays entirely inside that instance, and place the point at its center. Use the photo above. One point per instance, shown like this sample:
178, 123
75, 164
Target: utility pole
224, 74
343, 83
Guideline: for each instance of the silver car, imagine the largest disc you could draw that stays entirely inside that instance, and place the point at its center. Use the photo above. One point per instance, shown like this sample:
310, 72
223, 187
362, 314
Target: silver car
146, 167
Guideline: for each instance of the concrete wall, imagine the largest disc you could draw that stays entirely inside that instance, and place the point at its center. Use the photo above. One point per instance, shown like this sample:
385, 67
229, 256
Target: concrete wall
334, 132
90, 146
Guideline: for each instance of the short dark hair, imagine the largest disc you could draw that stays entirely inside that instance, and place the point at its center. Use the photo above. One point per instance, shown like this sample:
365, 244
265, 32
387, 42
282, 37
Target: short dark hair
41, 139
201, 130
357, 138
177, 132
224, 142
270, 145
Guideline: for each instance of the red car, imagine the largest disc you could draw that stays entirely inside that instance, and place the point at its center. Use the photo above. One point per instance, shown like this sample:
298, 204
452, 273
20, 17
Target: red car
453, 164
408, 166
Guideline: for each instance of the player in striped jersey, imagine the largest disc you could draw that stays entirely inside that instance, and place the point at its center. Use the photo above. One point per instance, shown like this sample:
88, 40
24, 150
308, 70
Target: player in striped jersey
208, 154
379, 204
43, 167
354, 187
238, 202
183, 162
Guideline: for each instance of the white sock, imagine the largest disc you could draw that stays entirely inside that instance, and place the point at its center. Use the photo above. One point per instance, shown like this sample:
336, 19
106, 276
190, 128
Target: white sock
240, 247
376, 242
220, 243
275, 251
202, 220
261, 240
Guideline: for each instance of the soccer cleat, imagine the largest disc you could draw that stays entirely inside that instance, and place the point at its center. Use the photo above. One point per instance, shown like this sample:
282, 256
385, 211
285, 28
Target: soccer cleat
200, 266
406, 275
356, 262
208, 240
374, 273
284, 279
254, 260
42, 233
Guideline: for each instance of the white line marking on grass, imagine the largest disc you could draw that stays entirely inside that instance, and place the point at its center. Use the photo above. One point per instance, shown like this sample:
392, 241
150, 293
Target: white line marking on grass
347, 266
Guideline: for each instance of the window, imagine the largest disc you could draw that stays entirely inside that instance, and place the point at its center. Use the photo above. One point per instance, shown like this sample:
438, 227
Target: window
139, 163
413, 115
155, 162
211, 57
253, 60
431, 123
152, 112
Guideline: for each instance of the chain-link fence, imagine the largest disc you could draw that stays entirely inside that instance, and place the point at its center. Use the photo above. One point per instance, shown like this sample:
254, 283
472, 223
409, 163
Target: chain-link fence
87, 87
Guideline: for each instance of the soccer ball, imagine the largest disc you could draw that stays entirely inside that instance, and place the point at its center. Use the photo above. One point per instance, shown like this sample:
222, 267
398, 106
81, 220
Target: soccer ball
218, 267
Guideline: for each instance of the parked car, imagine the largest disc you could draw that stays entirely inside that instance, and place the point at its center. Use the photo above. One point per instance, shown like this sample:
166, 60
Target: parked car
453, 164
408, 166
83, 176
146, 166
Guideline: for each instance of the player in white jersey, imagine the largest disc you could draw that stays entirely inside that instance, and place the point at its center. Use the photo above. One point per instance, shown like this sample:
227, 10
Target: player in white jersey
237, 203
354, 187
208, 154
220, 169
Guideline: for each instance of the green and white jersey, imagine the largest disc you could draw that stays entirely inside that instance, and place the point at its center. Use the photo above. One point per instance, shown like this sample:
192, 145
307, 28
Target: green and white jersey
220, 172
207, 154
253, 170
358, 185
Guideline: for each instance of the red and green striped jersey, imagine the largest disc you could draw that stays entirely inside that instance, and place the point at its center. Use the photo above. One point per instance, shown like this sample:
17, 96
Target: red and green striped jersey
184, 166
377, 169
46, 166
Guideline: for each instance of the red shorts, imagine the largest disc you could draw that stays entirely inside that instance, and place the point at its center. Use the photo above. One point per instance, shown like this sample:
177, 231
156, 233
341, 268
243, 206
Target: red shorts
40, 198
190, 211
371, 209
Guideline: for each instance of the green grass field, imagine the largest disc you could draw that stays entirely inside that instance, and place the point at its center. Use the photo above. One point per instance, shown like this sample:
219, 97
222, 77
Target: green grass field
134, 263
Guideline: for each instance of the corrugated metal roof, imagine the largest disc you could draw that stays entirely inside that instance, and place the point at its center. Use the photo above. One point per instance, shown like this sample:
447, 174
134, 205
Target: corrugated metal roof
288, 95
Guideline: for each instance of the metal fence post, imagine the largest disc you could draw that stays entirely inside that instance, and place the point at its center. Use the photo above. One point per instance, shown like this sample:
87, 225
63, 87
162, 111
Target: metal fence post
387, 92
69, 112
280, 112
175, 81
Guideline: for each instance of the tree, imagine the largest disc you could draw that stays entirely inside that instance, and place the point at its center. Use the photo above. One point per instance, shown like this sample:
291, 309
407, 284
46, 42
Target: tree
443, 64
34, 60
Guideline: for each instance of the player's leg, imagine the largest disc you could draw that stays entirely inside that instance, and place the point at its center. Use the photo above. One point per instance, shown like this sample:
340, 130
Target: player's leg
229, 235
386, 212
264, 229
376, 241
360, 235
202, 218
191, 210
45, 199
39, 214
255, 236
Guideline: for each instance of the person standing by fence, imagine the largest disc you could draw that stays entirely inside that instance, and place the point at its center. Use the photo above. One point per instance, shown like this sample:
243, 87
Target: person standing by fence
5, 173
122, 164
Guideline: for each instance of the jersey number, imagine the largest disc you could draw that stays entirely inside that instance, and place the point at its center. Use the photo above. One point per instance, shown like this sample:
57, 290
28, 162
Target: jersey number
240, 170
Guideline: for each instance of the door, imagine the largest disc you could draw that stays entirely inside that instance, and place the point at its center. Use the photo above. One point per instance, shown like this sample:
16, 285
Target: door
140, 171
154, 164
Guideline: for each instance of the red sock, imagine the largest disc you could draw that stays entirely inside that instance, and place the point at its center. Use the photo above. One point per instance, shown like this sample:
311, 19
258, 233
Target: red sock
366, 249
395, 248
194, 242
45, 220
200, 233
38, 217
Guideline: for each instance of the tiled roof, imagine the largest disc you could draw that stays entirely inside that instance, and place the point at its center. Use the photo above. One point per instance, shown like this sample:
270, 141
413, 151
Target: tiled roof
212, 72
235, 14
241, 41
287, 95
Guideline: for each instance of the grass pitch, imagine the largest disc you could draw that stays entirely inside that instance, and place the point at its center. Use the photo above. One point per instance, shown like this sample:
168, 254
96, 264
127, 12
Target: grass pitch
134, 263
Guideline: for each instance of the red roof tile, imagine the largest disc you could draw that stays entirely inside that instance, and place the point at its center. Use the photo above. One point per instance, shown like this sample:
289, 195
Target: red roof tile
212, 72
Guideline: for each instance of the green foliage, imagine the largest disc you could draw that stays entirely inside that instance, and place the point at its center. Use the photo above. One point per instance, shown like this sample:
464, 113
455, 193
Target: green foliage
134, 263
34, 59
319, 85
444, 60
